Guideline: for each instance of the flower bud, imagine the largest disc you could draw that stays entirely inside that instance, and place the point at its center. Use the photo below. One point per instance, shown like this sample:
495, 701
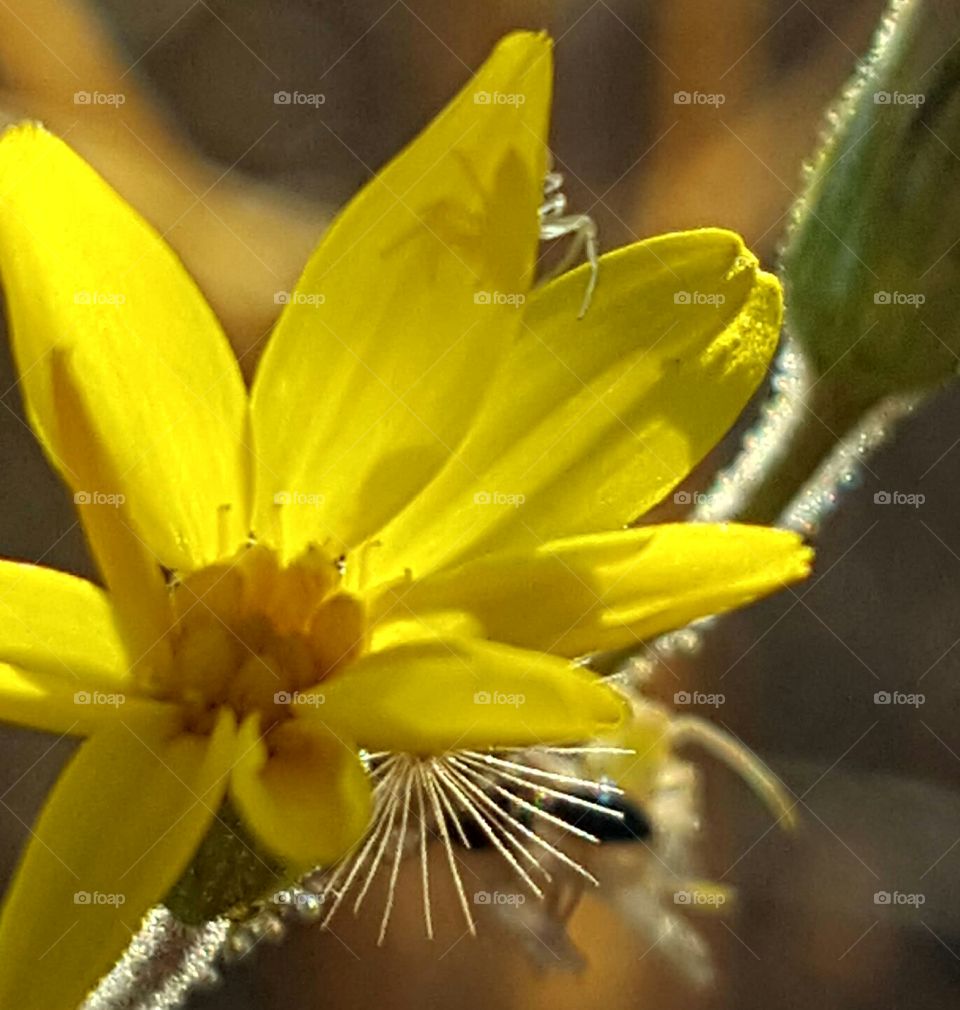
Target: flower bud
872, 264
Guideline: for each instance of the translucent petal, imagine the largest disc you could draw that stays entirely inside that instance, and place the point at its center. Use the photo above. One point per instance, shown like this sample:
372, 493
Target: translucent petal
381, 357
590, 422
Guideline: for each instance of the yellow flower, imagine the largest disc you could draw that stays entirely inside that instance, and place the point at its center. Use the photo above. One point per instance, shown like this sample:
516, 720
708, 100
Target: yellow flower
418, 510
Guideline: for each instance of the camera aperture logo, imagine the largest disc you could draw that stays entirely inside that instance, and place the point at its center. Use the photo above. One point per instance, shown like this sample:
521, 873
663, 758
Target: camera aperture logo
699, 698
499, 698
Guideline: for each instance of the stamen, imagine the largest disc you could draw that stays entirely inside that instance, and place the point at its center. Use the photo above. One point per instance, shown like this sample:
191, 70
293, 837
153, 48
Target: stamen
533, 771
424, 866
392, 805
486, 827
517, 825
440, 817
398, 852
496, 826
462, 788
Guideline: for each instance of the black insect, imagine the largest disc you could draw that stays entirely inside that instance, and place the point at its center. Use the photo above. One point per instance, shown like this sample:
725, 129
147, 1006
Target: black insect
621, 820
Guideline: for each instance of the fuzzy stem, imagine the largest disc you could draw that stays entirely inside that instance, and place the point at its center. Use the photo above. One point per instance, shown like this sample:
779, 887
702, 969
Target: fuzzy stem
824, 416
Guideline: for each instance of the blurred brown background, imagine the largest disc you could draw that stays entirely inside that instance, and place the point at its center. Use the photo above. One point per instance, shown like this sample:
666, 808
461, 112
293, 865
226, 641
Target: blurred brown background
243, 186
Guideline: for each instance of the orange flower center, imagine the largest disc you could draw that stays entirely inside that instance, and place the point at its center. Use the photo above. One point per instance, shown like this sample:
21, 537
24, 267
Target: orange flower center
256, 635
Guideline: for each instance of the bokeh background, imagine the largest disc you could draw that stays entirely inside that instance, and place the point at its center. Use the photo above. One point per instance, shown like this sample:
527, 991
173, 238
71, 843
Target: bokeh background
243, 188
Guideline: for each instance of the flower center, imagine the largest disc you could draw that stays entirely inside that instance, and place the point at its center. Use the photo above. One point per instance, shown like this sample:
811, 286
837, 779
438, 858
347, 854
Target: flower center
256, 635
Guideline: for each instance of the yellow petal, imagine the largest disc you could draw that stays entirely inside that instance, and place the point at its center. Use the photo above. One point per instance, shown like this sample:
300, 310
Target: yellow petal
115, 834
427, 698
307, 800
83, 272
131, 570
55, 703
381, 357
608, 590
56, 623
591, 422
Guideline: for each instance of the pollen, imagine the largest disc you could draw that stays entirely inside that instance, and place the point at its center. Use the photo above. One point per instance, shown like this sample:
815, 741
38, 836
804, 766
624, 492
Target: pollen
254, 634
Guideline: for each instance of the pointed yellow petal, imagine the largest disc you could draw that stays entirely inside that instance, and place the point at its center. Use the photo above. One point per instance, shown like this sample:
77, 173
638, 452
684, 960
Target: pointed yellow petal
608, 590
308, 799
591, 422
427, 698
57, 704
116, 833
57, 623
381, 357
82, 271
131, 570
